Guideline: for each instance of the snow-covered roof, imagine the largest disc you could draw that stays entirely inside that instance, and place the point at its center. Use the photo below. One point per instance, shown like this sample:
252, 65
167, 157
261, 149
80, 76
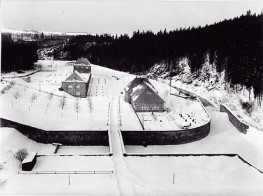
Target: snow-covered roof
78, 77
136, 81
138, 93
30, 157
83, 76
82, 62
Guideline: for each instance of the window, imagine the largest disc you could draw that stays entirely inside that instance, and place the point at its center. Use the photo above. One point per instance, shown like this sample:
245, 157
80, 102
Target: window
87, 67
155, 108
144, 107
77, 93
77, 86
70, 86
149, 92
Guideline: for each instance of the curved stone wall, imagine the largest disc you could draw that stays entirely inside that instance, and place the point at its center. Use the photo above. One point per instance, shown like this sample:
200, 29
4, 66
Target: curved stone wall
71, 138
242, 127
171, 137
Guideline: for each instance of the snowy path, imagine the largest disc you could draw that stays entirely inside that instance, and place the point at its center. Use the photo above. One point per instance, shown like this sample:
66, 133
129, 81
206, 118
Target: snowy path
118, 159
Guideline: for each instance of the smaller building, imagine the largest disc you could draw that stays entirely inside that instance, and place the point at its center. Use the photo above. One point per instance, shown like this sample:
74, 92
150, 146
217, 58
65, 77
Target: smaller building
82, 65
29, 162
145, 98
77, 84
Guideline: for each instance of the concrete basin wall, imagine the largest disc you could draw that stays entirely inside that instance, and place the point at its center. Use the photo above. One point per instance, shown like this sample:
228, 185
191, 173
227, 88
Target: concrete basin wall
241, 127
171, 137
71, 138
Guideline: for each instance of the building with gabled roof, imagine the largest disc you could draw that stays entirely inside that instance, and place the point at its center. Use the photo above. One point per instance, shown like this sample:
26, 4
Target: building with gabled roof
77, 84
82, 65
146, 99
143, 97
129, 88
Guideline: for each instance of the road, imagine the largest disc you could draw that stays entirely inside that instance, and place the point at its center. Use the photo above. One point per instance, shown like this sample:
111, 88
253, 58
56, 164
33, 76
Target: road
120, 169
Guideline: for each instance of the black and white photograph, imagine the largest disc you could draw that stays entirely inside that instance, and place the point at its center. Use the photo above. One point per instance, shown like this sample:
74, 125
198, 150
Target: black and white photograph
131, 97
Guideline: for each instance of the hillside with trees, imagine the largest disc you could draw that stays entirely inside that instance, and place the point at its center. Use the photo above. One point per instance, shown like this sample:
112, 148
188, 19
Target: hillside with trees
233, 45
17, 56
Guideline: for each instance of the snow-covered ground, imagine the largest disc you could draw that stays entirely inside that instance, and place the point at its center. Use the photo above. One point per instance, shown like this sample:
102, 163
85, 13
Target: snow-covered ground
223, 138
11, 139
143, 175
39, 101
183, 112
157, 121
194, 176
127, 117
83, 150
131, 175
46, 184
211, 85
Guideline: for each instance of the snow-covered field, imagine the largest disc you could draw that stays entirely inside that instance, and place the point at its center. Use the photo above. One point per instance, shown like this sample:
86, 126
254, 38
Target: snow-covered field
11, 139
183, 112
39, 101
62, 184
131, 175
143, 175
195, 176
224, 138
127, 117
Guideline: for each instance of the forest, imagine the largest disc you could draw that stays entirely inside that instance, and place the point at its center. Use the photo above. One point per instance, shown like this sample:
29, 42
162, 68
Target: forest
17, 56
233, 45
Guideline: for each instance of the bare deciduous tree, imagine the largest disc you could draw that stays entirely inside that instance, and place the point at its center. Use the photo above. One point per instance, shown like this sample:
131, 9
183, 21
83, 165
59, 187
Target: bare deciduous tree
33, 97
62, 102
47, 106
50, 96
77, 106
16, 94
21, 154
90, 104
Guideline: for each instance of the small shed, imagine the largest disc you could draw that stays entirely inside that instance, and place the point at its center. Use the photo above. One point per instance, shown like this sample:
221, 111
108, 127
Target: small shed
29, 162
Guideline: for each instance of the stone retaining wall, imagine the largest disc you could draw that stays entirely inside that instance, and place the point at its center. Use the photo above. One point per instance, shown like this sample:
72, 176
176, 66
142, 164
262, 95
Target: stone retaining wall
71, 138
234, 120
171, 137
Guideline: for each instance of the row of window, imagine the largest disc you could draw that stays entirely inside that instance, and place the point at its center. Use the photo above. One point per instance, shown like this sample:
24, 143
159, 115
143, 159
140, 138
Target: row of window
84, 67
70, 86
143, 108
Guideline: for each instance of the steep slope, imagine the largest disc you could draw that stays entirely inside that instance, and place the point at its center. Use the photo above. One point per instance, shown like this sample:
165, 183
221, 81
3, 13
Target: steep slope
210, 84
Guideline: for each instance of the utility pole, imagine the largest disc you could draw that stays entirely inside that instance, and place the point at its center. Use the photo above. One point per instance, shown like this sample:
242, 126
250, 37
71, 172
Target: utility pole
68, 179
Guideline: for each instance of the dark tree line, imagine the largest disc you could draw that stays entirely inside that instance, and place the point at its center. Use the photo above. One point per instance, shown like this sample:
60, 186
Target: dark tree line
17, 55
233, 45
